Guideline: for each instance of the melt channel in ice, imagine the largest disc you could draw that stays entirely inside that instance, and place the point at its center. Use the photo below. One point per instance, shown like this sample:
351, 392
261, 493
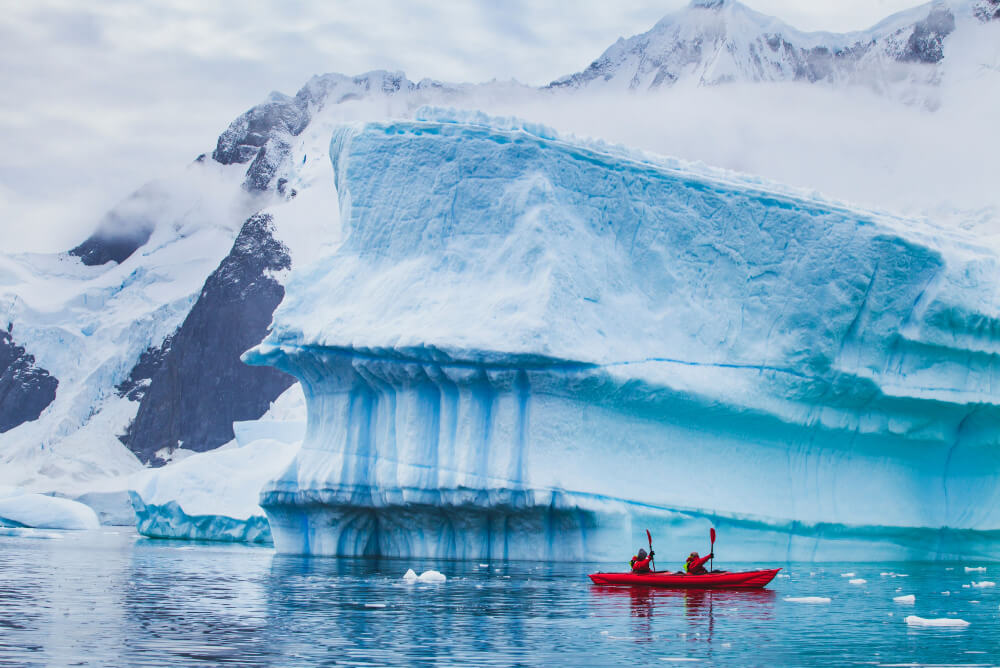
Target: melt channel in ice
529, 346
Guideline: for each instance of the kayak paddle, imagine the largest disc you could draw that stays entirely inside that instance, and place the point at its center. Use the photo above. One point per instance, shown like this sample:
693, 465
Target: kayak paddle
711, 534
650, 537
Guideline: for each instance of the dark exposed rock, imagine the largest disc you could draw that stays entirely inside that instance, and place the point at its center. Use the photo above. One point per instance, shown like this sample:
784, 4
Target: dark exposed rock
987, 10
926, 43
247, 135
199, 386
150, 362
263, 135
25, 389
123, 230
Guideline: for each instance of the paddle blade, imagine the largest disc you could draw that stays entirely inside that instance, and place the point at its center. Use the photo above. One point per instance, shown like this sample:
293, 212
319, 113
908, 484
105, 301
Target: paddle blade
650, 537
711, 533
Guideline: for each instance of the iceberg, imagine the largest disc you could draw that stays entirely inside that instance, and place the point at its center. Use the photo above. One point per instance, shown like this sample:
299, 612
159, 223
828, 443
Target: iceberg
913, 620
211, 495
19, 508
528, 346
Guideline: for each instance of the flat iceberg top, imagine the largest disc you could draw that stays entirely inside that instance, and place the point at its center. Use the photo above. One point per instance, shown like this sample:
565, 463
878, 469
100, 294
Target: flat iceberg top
488, 240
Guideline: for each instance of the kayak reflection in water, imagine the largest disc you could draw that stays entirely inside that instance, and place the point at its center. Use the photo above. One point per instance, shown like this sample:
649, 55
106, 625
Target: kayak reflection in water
640, 562
695, 565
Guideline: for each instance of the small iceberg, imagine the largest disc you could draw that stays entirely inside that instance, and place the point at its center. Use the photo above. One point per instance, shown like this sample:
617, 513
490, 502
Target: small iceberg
21, 509
807, 599
913, 620
426, 576
847, 575
857, 581
975, 569
374, 605
984, 584
909, 598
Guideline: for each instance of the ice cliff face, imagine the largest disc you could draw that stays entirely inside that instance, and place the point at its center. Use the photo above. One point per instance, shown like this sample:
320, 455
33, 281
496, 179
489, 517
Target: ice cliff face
530, 346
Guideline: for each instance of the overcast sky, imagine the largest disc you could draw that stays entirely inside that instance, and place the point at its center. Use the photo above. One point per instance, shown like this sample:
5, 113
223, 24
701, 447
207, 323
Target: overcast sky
102, 96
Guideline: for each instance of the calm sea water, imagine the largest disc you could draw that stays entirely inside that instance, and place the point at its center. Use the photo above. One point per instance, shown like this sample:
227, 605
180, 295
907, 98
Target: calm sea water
108, 598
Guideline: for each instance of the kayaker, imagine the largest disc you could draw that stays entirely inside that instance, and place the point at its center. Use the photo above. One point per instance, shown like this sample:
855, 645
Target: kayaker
640, 562
695, 565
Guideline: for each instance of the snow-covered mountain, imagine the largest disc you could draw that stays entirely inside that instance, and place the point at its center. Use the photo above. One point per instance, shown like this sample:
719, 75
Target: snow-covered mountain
125, 350
723, 41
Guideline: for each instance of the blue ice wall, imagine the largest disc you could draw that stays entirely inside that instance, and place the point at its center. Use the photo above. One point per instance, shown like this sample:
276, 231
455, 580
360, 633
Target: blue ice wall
529, 345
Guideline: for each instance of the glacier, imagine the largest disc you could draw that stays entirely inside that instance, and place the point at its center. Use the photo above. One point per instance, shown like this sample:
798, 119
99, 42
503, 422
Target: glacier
532, 346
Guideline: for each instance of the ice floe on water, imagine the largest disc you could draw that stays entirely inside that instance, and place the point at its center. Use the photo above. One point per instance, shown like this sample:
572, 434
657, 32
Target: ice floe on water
807, 599
426, 576
857, 581
847, 575
985, 584
975, 569
909, 599
913, 620
20, 509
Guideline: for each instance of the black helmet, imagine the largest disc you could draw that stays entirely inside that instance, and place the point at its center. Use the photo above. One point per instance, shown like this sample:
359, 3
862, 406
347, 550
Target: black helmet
642, 554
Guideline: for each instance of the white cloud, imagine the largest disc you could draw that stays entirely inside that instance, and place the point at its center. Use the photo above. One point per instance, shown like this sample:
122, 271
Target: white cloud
103, 96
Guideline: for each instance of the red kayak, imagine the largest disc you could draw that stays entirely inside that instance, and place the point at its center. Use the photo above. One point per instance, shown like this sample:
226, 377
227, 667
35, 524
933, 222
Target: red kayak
745, 580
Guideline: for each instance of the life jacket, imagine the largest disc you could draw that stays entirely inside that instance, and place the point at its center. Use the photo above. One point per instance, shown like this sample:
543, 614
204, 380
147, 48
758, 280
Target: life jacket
631, 562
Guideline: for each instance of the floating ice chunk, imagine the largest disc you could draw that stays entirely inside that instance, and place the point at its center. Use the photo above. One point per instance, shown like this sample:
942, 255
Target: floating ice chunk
807, 599
974, 602
983, 584
410, 575
211, 495
966, 586
847, 575
946, 593
913, 620
909, 598
975, 569
484, 565
24, 509
374, 605
857, 581
426, 576
783, 575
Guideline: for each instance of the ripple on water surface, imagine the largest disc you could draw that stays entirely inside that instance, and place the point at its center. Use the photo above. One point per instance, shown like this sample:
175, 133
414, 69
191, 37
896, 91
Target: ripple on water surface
110, 598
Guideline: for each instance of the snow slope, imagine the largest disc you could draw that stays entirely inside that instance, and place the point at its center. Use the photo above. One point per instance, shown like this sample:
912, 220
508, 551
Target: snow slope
529, 345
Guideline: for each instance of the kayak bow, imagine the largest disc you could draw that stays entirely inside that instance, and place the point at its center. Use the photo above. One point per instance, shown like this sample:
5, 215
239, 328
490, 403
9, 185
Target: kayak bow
744, 580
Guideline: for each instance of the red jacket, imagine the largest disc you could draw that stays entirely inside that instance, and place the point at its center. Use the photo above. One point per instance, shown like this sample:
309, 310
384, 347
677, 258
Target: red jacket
641, 565
695, 565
